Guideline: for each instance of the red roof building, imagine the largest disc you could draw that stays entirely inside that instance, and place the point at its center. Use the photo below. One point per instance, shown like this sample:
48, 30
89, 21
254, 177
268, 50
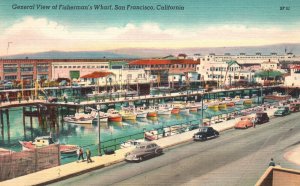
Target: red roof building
96, 75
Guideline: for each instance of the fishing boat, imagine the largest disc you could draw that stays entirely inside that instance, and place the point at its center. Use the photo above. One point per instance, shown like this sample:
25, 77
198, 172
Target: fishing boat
163, 109
175, 110
222, 105
5, 151
238, 101
141, 112
103, 117
247, 100
80, 118
128, 114
96, 93
230, 103
151, 112
213, 106
114, 115
43, 141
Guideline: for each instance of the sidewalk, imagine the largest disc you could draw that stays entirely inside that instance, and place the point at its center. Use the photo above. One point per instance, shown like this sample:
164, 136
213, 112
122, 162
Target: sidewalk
293, 155
73, 169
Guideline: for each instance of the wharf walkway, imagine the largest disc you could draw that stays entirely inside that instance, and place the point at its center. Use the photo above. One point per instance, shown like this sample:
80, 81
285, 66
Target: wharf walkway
72, 169
127, 98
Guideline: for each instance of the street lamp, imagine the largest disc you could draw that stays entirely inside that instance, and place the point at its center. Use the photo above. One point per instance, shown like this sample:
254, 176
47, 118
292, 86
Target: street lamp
98, 118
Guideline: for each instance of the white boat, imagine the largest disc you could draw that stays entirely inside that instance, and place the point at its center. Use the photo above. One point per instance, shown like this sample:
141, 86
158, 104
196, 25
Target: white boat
95, 93
131, 143
80, 118
141, 112
163, 109
43, 141
192, 106
103, 117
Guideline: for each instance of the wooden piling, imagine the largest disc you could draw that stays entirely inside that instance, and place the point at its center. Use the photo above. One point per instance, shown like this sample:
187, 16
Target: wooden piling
24, 122
2, 125
8, 126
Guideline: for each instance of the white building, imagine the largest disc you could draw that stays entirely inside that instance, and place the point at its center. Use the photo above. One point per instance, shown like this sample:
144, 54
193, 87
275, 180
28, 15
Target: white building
294, 78
243, 58
74, 70
269, 65
223, 73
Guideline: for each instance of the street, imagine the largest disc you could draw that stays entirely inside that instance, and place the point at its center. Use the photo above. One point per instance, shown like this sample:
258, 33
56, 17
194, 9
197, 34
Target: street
237, 157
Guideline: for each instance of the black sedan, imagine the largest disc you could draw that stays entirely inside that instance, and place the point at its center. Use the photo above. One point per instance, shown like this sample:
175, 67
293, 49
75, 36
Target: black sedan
205, 133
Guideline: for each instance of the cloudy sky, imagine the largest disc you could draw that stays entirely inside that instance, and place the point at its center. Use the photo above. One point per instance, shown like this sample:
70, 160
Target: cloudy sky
202, 23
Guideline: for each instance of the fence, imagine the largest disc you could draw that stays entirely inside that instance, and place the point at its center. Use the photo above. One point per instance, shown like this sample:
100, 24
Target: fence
16, 164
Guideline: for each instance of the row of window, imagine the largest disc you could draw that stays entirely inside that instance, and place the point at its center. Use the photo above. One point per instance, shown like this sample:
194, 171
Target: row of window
223, 69
165, 66
88, 66
30, 77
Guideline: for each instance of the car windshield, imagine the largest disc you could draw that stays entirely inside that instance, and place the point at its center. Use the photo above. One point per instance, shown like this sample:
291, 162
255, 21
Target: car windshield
281, 108
202, 129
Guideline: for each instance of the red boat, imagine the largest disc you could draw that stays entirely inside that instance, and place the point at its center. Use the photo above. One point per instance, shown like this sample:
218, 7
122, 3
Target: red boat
152, 113
46, 141
175, 111
114, 115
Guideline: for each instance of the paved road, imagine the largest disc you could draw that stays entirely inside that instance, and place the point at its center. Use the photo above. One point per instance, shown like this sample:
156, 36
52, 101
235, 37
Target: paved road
237, 157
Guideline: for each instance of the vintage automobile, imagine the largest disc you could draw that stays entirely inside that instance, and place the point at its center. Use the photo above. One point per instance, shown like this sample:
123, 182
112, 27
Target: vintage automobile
144, 150
261, 117
204, 133
295, 107
282, 111
244, 123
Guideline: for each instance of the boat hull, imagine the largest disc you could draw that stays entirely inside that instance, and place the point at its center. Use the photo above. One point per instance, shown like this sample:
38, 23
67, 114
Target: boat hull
115, 119
152, 114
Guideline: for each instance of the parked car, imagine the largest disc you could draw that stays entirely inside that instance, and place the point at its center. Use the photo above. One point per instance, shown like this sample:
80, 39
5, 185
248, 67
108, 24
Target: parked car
261, 117
244, 123
204, 133
144, 150
295, 107
282, 111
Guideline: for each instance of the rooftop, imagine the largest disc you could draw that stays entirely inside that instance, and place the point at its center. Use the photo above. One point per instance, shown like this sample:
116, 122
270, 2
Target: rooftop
163, 61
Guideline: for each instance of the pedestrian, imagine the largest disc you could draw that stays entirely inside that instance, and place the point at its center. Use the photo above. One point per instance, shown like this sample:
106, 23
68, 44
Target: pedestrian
253, 121
65, 99
88, 155
19, 96
80, 154
272, 162
7, 96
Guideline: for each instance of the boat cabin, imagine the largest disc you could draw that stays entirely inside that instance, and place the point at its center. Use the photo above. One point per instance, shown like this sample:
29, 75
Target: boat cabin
43, 141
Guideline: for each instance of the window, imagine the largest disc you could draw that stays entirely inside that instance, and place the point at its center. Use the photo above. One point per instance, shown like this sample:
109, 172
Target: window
10, 68
10, 77
65, 66
30, 77
26, 67
83, 66
43, 67
60, 66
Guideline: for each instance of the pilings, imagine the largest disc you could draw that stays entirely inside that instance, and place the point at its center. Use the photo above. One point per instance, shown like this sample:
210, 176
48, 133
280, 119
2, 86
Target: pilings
2, 125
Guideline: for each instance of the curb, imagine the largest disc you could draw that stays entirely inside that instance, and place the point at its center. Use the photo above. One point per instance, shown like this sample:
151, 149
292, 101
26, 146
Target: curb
110, 163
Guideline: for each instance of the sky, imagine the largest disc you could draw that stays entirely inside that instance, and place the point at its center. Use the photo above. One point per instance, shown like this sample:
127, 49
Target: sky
202, 23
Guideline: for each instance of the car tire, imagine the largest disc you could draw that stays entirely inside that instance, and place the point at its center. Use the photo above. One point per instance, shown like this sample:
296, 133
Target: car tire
141, 158
246, 126
204, 138
158, 152
216, 134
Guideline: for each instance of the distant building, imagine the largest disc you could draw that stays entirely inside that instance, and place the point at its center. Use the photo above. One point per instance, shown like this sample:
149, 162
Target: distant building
26, 69
269, 65
294, 78
160, 69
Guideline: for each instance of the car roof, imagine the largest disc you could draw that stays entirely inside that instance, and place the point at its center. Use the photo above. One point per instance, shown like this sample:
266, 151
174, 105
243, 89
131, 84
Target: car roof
146, 143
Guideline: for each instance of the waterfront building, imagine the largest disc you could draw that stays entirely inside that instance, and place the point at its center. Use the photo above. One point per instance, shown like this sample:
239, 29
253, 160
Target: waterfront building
77, 68
159, 69
26, 69
294, 78
224, 73
269, 65
243, 58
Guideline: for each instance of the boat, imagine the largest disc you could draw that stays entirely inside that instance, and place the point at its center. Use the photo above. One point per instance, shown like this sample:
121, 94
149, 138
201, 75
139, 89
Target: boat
141, 112
151, 135
114, 115
213, 106
5, 151
43, 141
163, 109
127, 114
103, 117
181, 106
222, 105
238, 101
151, 112
192, 106
80, 118
175, 111
229, 103
247, 100
131, 143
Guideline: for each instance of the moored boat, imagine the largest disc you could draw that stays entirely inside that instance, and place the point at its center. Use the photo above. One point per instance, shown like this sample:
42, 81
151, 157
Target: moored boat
128, 115
175, 111
80, 118
43, 141
163, 109
222, 105
114, 115
141, 112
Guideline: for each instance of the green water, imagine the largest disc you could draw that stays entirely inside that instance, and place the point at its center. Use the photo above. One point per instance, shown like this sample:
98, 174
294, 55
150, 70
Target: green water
87, 135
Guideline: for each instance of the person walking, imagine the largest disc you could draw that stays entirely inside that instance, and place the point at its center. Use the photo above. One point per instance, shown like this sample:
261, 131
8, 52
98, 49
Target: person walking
80, 154
253, 121
88, 155
19, 96
272, 162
